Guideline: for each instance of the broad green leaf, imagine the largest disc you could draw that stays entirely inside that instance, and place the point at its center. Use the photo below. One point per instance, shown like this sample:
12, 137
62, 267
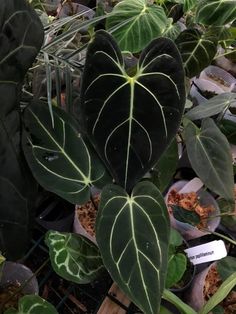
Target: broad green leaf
197, 50
226, 266
182, 306
216, 12
165, 168
210, 156
74, 257
33, 304
134, 23
186, 216
21, 36
220, 294
133, 236
212, 106
60, 159
121, 120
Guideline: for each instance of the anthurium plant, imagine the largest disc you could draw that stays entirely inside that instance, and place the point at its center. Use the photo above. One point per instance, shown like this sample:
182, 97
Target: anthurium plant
126, 127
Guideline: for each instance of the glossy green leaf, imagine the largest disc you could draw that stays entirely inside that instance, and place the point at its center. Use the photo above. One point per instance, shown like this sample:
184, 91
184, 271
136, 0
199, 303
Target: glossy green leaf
74, 257
220, 294
163, 171
134, 23
133, 236
33, 304
186, 216
60, 159
212, 106
197, 50
210, 156
216, 12
133, 119
21, 36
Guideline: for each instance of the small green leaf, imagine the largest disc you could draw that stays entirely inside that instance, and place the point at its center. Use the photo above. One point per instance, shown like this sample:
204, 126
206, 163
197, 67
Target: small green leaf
165, 168
33, 304
176, 268
134, 23
212, 106
218, 310
60, 159
220, 294
74, 257
197, 50
186, 216
210, 156
132, 232
228, 218
216, 12
175, 238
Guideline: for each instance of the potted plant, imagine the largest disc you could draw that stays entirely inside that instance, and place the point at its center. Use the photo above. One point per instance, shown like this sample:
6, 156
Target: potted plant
116, 138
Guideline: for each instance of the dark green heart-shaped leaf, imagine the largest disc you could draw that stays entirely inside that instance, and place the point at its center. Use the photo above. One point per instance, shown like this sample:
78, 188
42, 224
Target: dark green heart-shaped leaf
186, 216
74, 257
165, 168
216, 12
21, 36
212, 106
133, 119
197, 50
210, 156
60, 159
133, 236
134, 23
33, 304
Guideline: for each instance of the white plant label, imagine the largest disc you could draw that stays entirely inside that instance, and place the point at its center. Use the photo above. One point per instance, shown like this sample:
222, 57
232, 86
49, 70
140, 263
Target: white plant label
192, 186
211, 251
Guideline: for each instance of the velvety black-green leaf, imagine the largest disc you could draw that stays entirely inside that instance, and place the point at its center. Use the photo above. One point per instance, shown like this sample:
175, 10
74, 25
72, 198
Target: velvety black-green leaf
74, 257
21, 36
60, 159
216, 12
33, 304
132, 232
165, 168
134, 23
133, 119
197, 50
212, 106
210, 156
186, 216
